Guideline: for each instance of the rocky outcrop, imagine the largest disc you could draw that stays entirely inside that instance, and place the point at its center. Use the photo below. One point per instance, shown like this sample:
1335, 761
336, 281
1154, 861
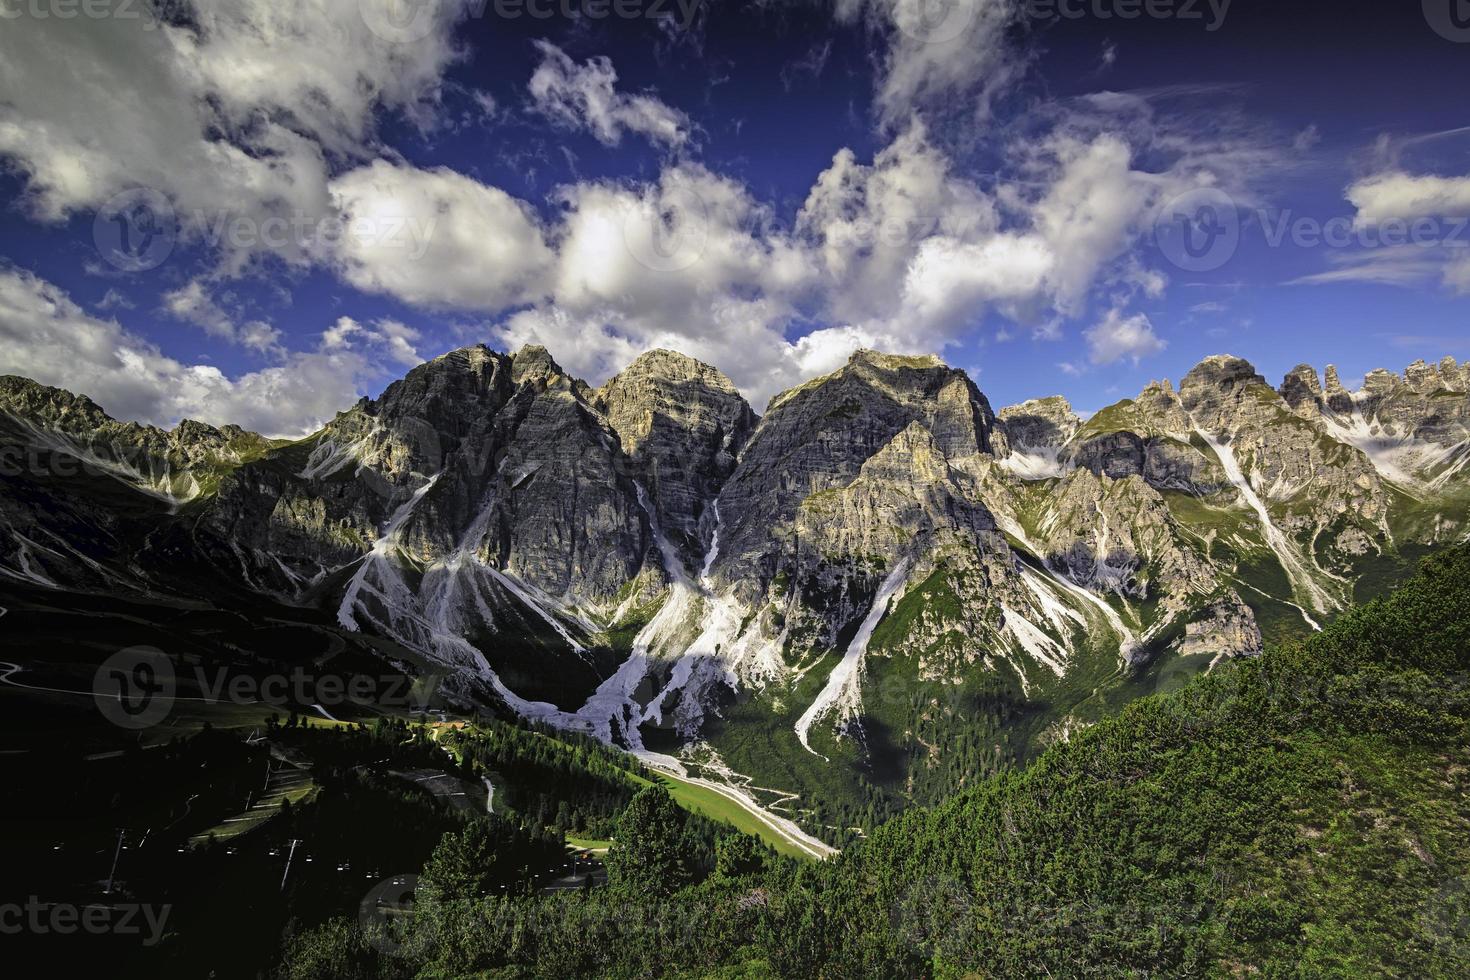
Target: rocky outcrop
179, 464
817, 437
1042, 423
1148, 437
643, 553
1227, 629
682, 425
1414, 430
1302, 390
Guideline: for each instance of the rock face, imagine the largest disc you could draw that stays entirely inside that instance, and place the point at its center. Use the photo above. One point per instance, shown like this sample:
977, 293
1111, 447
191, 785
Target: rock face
817, 437
1227, 630
1039, 424
177, 465
649, 559
682, 425
1414, 432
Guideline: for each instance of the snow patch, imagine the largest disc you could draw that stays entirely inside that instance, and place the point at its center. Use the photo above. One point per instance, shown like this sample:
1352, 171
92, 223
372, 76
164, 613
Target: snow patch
843, 687
1275, 539
1037, 463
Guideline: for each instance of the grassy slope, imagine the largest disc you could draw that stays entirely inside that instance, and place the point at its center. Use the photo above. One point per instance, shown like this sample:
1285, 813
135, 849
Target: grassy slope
1304, 814
1306, 811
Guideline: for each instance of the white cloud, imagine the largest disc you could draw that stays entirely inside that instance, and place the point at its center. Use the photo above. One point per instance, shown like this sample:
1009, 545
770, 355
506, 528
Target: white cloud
47, 337
192, 303
950, 282
1117, 337
939, 55
1091, 213
865, 223
234, 115
1307, 139
1406, 265
394, 338
585, 97
905, 252
1399, 196
437, 238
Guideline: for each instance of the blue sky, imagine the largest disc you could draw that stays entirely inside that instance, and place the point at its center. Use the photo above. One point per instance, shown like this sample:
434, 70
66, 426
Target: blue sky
258, 212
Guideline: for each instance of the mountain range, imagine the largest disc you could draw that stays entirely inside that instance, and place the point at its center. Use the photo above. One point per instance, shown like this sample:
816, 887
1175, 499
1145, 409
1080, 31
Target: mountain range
870, 595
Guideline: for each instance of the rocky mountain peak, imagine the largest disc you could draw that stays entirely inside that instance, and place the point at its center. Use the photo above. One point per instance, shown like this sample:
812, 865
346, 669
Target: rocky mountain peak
671, 366
1422, 377
1220, 371
534, 363
894, 362
1213, 390
1380, 382
40, 403
1039, 423
1455, 377
682, 424
1302, 390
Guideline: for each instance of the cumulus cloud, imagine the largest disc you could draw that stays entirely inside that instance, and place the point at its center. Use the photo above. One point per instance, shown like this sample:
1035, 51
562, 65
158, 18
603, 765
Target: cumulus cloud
233, 109
586, 97
437, 238
1118, 337
192, 303
902, 253
939, 55
1091, 213
394, 338
1426, 247
271, 110
1404, 197
47, 337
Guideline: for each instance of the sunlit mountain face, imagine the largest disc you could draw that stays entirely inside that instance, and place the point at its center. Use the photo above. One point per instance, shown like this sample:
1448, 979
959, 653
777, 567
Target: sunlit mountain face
686, 488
